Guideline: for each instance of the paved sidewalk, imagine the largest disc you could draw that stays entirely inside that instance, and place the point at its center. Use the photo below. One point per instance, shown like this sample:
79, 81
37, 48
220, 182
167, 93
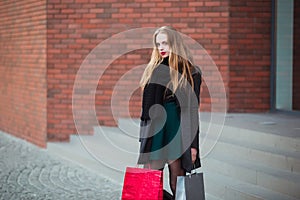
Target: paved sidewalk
28, 172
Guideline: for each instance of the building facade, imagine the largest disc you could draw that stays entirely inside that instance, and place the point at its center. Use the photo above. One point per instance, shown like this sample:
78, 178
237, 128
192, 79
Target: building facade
254, 45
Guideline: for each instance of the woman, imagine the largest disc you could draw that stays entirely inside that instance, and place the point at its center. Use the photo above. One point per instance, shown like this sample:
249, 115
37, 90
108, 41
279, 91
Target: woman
169, 131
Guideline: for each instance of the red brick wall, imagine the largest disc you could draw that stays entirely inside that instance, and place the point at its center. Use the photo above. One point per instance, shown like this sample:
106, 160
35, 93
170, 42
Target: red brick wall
296, 56
23, 69
76, 27
250, 39
228, 30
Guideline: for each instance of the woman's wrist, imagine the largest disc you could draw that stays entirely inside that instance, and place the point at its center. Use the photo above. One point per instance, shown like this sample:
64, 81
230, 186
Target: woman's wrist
194, 153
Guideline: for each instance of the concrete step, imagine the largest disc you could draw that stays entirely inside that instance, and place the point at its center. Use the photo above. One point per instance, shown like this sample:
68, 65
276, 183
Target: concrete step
280, 142
289, 161
228, 188
277, 180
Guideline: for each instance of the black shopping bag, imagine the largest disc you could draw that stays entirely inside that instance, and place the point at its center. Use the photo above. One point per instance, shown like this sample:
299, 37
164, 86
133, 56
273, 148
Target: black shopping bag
190, 187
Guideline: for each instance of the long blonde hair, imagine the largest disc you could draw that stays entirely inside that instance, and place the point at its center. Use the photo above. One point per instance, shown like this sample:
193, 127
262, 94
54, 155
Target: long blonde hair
180, 60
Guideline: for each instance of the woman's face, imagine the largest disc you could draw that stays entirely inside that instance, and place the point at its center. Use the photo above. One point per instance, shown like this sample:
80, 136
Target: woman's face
162, 44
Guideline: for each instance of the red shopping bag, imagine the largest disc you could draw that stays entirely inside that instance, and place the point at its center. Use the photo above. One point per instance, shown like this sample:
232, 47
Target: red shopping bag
142, 184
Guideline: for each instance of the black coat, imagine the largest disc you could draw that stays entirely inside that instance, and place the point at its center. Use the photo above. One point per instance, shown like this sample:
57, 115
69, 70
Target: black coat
188, 104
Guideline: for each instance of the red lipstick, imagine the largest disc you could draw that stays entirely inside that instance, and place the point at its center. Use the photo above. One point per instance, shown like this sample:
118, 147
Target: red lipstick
162, 53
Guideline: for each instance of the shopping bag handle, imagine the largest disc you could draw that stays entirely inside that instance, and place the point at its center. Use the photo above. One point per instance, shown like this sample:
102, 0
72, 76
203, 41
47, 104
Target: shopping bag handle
193, 171
143, 166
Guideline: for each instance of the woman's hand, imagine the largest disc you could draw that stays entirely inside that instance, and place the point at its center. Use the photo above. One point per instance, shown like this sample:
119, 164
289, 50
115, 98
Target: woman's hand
194, 154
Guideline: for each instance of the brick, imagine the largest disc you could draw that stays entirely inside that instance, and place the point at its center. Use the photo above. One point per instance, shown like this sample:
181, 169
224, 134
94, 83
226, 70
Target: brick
195, 4
149, 5
126, 10
212, 3
118, 15
97, 10
67, 11
89, 15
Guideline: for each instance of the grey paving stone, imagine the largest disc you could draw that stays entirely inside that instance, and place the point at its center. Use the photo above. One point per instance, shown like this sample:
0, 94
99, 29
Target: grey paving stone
28, 172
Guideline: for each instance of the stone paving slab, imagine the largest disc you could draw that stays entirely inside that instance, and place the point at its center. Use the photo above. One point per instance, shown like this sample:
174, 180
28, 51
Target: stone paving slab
28, 172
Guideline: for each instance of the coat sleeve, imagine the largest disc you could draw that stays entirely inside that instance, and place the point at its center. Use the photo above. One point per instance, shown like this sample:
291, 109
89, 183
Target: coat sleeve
197, 84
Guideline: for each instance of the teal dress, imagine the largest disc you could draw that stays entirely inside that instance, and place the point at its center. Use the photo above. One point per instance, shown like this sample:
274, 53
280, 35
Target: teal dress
166, 143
